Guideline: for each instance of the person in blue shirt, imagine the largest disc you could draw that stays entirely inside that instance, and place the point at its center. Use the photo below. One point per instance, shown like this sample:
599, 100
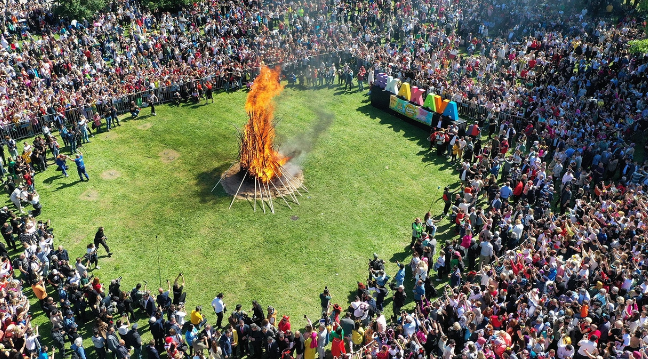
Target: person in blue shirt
399, 278
190, 336
43, 353
60, 162
77, 347
225, 343
419, 292
81, 166
506, 191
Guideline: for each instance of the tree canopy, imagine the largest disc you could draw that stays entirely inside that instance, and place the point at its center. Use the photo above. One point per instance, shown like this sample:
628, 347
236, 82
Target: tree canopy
79, 9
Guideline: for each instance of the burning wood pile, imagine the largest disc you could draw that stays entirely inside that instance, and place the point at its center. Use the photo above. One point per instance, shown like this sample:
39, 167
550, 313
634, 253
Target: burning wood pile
265, 172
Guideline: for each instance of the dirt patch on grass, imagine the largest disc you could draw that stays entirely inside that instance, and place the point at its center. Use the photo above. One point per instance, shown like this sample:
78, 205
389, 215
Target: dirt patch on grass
90, 195
145, 126
111, 136
110, 174
169, 155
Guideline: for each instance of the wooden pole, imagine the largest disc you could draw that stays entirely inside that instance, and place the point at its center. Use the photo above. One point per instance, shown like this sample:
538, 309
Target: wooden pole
280, 194
237, 191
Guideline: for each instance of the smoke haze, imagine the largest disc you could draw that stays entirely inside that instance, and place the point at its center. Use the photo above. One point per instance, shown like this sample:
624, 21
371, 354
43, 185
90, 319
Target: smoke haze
298, 147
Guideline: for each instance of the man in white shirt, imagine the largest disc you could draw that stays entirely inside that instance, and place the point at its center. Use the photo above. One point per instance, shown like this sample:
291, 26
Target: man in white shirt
486, 253
359, 308
15, 198
219, 308
586, 347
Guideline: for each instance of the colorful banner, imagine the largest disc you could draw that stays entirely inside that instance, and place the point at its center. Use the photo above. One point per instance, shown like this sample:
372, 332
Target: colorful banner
410, 110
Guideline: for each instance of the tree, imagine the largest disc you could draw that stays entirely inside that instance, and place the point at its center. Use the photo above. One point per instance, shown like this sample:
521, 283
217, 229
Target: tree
79, 9
166, 5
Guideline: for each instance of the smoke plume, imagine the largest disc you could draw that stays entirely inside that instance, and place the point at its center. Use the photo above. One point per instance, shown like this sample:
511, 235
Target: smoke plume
298, 147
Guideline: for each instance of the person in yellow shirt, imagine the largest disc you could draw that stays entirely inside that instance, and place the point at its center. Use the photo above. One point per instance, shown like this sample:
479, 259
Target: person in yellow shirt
357, 336
197, 319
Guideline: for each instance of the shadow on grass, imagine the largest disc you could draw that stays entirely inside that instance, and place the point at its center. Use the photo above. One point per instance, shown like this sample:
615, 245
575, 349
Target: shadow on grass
70, 184
206, 181
52, 178
410, 131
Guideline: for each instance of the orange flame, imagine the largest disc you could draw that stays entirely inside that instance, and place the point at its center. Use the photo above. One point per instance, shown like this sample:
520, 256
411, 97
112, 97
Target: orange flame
258, 155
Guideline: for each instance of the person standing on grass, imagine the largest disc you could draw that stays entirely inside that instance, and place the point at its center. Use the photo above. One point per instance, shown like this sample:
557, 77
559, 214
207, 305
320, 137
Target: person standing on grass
99, 344
151, 351
91, 256
100, 239
12, 147
113, 114
83, 128
60, 162
134, 340
219, 309
7, 233
178, 294
81, 166
152, 100
209, 92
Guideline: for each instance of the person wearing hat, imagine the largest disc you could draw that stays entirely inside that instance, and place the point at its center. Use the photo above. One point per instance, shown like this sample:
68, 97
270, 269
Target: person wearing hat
219, 309
134, 339
78, 160
58, 339
284, 324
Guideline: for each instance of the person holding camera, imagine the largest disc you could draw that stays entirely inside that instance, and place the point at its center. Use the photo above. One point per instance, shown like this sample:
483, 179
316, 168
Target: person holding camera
325, 299
179, 295
219, 309
100, 239
197, 318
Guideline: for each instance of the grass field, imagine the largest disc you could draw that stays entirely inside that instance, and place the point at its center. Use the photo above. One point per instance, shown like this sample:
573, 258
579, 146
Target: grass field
369, 174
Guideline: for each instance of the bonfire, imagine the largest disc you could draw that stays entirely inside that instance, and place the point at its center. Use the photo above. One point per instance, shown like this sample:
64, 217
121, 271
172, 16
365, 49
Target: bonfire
262, 172
258, 156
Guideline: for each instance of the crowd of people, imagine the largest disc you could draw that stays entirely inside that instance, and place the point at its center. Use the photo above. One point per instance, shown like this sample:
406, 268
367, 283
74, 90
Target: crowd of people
547, 258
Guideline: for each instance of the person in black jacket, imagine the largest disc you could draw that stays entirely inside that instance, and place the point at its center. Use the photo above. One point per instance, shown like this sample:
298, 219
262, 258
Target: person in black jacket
100, 238
257, 313
243, 331
7, 233
157, 330
149, 304
256, 341
58, 339
151, 352
272, 349
399, 299
134, 339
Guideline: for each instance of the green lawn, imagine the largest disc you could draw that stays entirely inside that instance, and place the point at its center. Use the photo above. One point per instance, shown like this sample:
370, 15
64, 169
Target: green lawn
368, 176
